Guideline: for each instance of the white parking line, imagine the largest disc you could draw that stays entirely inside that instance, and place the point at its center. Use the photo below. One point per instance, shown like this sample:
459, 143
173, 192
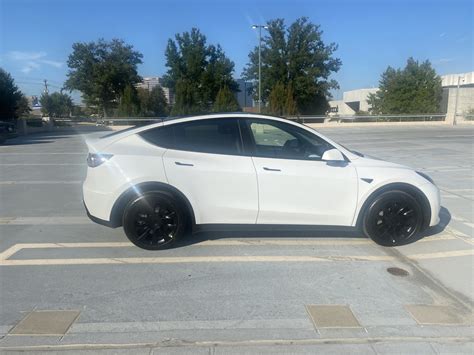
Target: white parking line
5, 255
192, 259
44, 220
43, 153
39, 182
40, 164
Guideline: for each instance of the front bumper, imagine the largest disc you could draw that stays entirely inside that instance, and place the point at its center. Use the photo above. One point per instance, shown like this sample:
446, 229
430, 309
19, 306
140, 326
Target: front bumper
433, 195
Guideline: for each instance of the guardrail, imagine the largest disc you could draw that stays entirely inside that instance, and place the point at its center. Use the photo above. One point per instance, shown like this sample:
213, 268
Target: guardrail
369, 118
121, 121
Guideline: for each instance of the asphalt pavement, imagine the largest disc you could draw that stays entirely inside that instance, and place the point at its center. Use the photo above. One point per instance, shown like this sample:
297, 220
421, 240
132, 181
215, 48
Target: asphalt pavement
69, 285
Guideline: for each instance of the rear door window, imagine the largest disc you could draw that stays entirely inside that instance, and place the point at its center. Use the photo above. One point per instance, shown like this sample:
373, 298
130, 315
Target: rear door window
217, 136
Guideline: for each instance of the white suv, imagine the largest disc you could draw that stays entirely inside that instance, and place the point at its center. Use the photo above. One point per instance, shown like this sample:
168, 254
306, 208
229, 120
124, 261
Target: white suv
252, 170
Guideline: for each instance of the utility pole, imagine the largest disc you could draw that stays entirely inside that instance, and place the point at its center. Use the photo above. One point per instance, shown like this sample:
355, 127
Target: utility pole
259, 64
456, 101
46, 86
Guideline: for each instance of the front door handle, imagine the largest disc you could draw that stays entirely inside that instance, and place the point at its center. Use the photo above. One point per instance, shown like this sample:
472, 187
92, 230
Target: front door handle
270, 169
183, 164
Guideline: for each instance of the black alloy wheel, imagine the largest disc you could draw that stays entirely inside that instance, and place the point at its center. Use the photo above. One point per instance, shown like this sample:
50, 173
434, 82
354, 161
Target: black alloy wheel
393, 218
153, 221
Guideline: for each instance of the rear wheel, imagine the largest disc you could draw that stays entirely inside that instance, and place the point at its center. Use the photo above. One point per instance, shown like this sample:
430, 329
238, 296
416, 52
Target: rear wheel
154, 221
393, 218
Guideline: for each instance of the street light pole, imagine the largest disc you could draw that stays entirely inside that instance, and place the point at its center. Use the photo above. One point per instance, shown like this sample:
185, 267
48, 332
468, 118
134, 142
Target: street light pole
259, 64
456, 102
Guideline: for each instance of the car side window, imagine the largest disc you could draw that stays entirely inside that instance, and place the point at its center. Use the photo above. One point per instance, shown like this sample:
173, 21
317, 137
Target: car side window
275, 139
160, 136
217, 136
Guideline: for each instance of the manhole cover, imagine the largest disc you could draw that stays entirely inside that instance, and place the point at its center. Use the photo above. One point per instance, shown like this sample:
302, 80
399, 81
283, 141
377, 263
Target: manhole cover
396, 271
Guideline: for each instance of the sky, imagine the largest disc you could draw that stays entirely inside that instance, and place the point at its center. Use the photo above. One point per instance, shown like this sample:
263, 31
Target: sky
36, 36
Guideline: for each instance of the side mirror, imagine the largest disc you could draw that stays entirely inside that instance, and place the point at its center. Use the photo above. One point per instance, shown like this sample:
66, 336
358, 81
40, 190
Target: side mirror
333, 155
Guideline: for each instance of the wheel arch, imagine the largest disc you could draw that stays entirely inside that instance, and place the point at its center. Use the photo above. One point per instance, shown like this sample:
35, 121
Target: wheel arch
408, 188
141, 188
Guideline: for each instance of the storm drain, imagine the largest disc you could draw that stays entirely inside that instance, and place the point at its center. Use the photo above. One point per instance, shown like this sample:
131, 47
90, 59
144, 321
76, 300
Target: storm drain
431, 314
396, 271
332, 316
45, 323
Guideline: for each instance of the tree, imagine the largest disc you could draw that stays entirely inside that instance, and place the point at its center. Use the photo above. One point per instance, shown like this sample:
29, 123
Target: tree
13, 103
23, 107
277, 99
102, 70
226, 101
56, 104
416, 89
129, 105
152, 103
296, 56
281, 100
196, 72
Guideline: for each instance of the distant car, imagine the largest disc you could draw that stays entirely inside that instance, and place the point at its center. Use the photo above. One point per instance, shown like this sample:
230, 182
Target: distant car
248, 170
7, 130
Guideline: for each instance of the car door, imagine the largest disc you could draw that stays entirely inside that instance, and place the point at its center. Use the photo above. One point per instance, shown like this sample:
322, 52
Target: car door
295, 186
207, 165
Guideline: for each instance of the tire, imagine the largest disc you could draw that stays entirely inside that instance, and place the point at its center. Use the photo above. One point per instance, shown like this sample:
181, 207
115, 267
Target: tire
393, 218
154, 220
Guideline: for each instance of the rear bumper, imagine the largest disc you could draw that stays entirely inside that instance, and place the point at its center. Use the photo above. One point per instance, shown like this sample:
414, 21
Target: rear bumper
97, 220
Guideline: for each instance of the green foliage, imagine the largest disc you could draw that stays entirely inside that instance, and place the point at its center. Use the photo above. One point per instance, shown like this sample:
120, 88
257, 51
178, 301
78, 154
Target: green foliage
129, 105
23, 107
196, 72
13, 103
226, 101
282, 101
298, 56
152, 103
56, 104
102, 70
277, 99
416, 89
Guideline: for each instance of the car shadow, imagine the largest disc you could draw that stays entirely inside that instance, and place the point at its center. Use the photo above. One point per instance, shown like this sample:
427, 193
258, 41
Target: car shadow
305, 232
249, 233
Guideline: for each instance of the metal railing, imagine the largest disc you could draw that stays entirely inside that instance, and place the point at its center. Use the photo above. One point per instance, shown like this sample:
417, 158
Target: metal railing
119, 121
370, 118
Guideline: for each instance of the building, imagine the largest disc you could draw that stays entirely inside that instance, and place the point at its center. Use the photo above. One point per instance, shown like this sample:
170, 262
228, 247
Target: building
464, 95
149, 83
355, 101
352, 102
244, 96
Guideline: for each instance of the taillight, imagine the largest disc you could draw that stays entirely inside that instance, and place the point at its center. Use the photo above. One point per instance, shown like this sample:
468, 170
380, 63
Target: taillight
96, 159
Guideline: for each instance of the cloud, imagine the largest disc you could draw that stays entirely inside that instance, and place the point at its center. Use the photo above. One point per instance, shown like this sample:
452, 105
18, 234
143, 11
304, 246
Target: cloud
441, 35
30, 61
25, 56
53, 63
444, 60
29, 66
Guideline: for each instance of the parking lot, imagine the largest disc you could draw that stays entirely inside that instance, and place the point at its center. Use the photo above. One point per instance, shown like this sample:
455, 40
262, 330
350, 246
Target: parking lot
233, 292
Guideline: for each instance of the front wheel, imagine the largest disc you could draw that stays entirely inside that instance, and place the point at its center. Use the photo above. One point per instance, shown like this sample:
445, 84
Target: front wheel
154, 221
393, 218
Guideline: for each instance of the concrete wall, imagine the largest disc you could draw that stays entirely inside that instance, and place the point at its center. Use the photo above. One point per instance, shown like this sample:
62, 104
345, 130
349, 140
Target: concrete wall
465, 100
360, 95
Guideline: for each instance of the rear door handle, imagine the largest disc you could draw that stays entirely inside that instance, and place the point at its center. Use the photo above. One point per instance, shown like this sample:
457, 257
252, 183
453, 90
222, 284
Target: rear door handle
270, 169
183, 164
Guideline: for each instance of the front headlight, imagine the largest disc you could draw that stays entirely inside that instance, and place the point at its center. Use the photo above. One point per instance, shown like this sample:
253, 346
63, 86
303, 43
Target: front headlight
425, 176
